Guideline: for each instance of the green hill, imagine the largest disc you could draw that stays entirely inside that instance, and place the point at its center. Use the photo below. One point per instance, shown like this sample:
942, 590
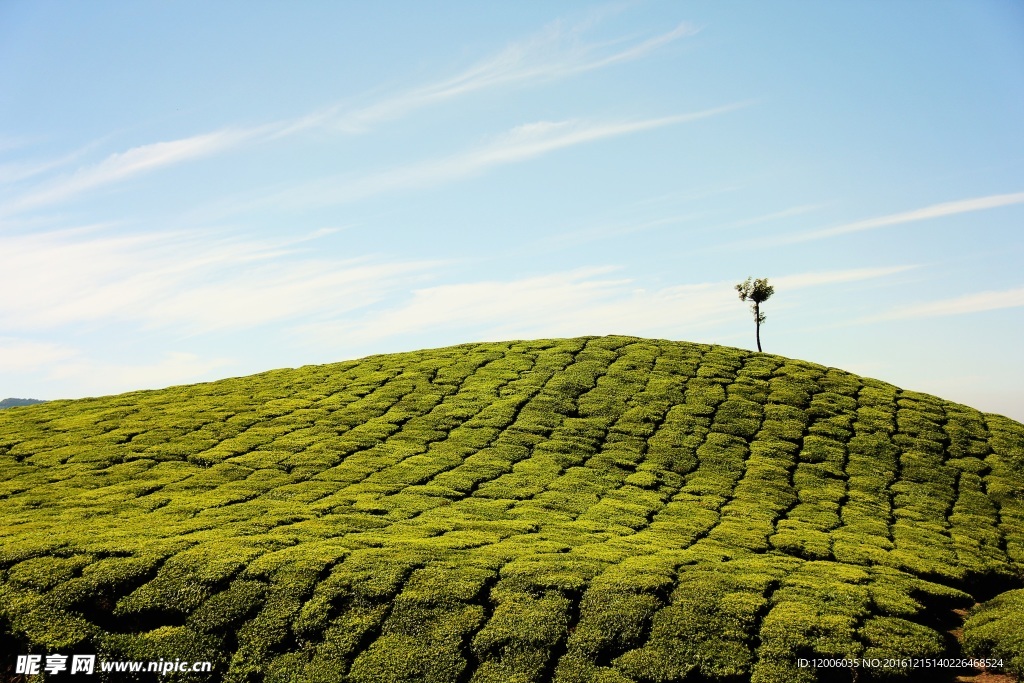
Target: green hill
603, 509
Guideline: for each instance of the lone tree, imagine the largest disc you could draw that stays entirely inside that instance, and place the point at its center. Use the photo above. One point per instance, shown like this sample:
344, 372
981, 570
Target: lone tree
757, 291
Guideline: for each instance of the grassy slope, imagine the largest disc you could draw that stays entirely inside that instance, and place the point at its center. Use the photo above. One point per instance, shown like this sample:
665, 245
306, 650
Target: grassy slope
605, 509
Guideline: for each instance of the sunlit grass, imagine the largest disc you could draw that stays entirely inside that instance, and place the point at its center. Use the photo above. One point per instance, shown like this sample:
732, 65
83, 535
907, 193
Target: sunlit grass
594, 509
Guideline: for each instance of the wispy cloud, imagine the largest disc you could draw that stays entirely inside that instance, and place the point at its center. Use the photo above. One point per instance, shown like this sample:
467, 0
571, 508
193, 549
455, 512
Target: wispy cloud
922, 214
132, 162
555, 53
24, 356
15, 172
769, 217
186, 281
570, 303
830, 277
90, 376
520, 144
968, 303
49, 364
8, 142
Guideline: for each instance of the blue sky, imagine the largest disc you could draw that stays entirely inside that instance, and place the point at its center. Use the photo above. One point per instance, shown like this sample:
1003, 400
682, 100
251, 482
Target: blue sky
195, 190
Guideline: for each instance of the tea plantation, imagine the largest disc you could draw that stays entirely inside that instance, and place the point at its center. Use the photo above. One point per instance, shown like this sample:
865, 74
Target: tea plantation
605, 509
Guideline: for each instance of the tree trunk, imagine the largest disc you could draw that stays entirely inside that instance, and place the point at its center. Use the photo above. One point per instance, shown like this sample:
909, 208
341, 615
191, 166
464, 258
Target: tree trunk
757, 321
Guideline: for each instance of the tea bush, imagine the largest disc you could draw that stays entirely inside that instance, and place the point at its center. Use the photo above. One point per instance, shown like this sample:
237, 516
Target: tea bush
598, 509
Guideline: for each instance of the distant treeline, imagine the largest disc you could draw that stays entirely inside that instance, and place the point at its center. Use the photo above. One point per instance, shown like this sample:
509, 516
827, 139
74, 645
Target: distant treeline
14, 402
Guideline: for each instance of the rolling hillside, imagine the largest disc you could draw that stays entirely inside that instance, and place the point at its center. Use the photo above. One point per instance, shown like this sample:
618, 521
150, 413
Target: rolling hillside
603, 509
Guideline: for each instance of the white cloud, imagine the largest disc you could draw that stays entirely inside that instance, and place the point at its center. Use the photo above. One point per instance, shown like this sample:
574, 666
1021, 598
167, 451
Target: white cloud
93, 377
23, 356
281, 292
15, 142
789, 282
183, 281
969, 303
553, 54
519, 144
531, 140
922, 214
769, 217
578, 302
17, 171
123, 165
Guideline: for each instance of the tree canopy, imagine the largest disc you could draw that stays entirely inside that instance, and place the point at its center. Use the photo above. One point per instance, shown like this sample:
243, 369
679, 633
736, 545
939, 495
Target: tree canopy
757, 292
